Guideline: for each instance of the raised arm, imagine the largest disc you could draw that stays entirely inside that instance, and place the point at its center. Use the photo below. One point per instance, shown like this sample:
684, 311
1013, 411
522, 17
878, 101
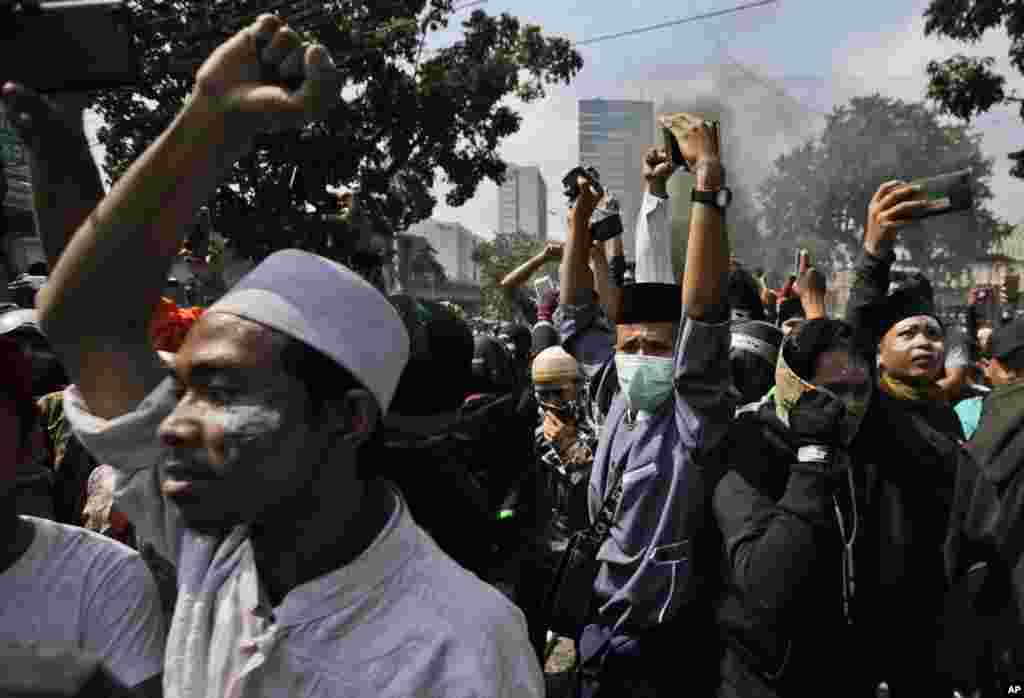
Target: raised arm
603, 281
66, 185
119, 258
889, 210
616, 255
812, 289
577, 282
707, 253
521, 274
653, 227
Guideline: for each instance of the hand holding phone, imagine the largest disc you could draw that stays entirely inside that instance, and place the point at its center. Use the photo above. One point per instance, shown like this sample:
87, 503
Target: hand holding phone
689, 137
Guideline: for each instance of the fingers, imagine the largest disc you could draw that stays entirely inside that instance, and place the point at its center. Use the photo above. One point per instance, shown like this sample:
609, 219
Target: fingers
895, 195
283, 42
321, 88
263, 29
885, 189
901, 214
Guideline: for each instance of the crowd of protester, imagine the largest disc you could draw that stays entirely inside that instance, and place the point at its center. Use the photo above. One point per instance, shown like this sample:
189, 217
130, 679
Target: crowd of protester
711, 487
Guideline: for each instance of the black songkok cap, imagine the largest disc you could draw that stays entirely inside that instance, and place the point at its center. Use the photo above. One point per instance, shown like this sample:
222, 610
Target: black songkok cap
650, 302
913, 297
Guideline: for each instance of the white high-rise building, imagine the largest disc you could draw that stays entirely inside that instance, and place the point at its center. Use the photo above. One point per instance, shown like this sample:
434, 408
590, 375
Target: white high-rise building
614, 136
523, 202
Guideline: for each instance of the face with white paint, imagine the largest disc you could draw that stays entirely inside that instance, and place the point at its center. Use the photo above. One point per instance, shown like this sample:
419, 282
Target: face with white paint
243, 446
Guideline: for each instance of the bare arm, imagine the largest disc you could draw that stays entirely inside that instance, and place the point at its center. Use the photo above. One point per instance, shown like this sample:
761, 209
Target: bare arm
812, 290
602, 279
707, 254
577, 283
521, 274
119, 258
66, 185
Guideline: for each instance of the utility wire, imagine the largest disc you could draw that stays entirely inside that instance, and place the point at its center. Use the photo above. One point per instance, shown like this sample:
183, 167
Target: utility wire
675, 22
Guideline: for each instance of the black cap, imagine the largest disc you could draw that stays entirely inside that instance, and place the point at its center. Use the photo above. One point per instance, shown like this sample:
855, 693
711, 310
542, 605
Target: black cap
913, 297
1008, 339
650, 302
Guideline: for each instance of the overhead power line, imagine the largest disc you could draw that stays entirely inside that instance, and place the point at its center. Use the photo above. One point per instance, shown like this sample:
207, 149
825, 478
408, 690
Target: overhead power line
675, 22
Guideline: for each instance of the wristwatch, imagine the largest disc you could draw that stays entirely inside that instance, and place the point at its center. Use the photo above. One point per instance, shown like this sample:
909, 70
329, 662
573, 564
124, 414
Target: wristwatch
719, 199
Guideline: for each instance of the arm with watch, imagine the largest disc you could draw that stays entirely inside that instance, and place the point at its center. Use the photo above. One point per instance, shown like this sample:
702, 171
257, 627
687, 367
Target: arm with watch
701, 373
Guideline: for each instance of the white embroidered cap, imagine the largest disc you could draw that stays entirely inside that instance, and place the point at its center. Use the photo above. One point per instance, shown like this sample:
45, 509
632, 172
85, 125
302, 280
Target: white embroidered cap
332, 309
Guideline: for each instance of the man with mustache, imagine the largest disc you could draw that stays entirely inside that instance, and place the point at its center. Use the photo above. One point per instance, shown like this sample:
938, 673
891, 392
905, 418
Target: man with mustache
299, 572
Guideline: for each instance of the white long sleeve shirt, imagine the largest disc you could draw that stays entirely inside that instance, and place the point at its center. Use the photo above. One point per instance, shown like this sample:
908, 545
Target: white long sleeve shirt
654, 241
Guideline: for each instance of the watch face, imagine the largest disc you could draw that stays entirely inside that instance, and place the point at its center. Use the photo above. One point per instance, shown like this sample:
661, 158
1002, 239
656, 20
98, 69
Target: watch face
723, 198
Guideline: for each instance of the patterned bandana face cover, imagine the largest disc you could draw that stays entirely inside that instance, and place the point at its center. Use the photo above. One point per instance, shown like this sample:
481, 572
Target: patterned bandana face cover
789, 387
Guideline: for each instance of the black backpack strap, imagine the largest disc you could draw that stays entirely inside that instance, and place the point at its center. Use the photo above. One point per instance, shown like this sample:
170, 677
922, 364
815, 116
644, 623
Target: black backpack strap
606, 516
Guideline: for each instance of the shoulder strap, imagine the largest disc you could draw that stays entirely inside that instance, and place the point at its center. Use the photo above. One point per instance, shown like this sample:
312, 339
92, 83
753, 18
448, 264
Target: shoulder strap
606, 517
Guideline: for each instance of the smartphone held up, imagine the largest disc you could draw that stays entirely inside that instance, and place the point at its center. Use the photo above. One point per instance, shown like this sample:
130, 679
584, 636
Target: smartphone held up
946, 193
606, 221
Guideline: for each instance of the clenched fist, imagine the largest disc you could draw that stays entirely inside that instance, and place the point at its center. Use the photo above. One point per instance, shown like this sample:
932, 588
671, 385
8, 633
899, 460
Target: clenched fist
265, 78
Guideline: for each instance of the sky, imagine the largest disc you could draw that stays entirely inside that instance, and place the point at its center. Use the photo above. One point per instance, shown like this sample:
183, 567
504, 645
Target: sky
817, 52
812, 55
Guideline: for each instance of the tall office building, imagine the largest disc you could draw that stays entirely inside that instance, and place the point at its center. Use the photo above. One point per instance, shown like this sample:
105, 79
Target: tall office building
523, 202
614, 135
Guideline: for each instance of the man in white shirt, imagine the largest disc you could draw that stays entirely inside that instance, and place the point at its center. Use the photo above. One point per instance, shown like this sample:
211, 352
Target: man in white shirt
62, 588
299, 573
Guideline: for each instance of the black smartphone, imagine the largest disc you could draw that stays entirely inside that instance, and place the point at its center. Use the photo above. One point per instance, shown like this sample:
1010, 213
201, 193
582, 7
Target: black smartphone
68, 46
946, 193
672, 148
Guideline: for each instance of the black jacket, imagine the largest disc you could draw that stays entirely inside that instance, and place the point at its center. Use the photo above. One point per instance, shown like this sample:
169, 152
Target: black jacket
987, 610
782, 614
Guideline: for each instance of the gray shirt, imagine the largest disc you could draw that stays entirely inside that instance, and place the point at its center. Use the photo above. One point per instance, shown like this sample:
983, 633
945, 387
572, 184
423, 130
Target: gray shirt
644, 577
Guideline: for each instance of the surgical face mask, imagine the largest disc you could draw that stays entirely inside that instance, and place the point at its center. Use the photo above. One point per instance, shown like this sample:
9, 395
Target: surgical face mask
646, 381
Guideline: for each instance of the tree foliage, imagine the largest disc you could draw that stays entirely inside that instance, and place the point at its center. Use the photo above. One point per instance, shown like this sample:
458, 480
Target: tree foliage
965, 86
408, 114
498, 257
818, 195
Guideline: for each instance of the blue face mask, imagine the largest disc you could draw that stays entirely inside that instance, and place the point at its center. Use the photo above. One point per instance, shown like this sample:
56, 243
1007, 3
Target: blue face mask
646, 381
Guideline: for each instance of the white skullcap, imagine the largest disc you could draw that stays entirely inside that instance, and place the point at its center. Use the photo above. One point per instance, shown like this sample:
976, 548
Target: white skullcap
330, 308
554, 365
